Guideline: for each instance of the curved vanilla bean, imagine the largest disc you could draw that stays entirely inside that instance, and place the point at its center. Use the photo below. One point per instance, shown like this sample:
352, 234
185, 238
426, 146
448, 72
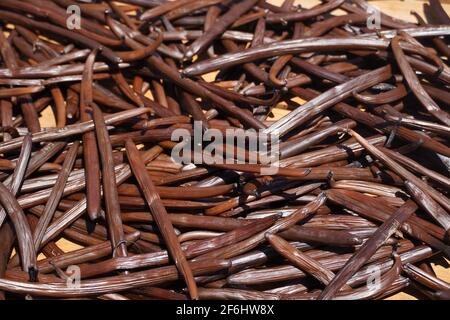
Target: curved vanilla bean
279, 64
290, 47
250, 67
141, 53
415, 86
29, 112
219, 27
382, 98
60, 106
23, 232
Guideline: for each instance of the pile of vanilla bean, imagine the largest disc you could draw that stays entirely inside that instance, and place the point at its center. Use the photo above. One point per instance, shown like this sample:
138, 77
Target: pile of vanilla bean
357, 207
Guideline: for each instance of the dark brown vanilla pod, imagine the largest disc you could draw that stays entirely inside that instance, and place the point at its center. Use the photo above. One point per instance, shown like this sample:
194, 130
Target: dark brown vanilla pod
23, 232
235, 11
90, 150
322, 236
415, 85
327, 99
14, 182
405, 174
304, 14
109, 183
379, 237
429, 205
300, 260
438, 12
55, 196
378, 211
160, 215
30, 115
416, 167
431, 282
45, 26
386, 280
